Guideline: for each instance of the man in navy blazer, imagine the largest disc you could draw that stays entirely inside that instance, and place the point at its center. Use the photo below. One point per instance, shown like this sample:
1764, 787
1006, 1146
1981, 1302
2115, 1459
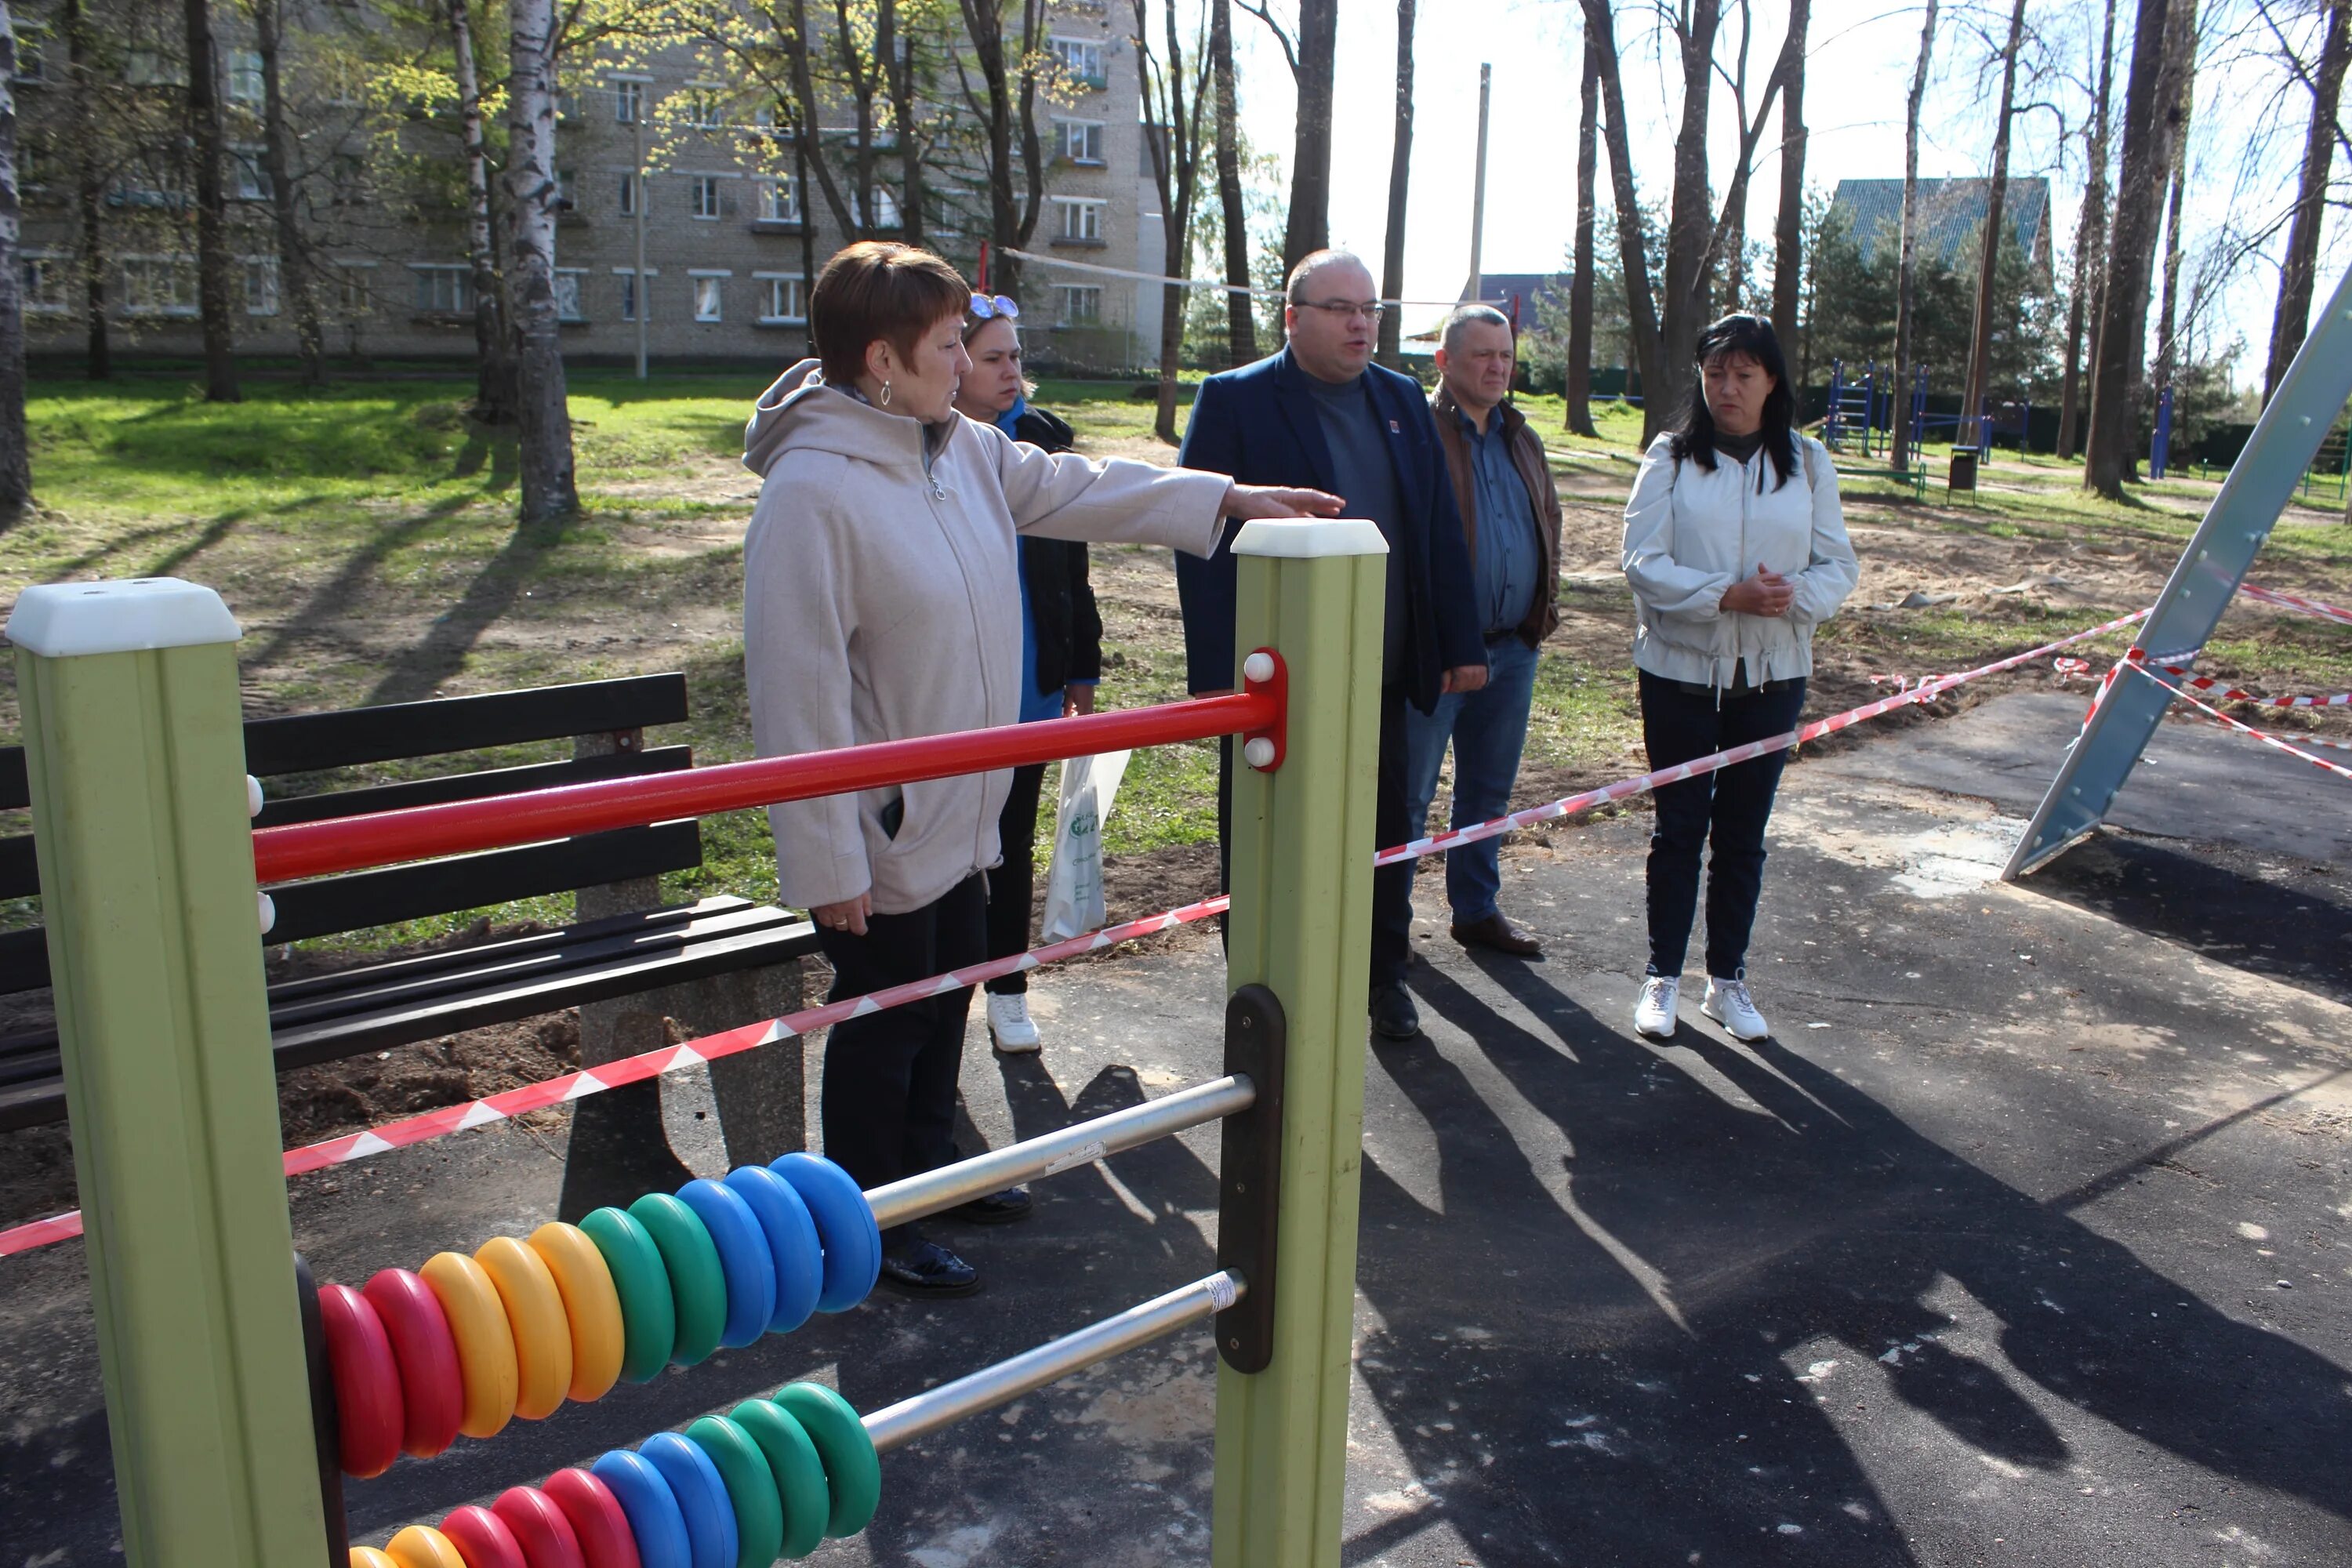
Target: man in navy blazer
1320, 412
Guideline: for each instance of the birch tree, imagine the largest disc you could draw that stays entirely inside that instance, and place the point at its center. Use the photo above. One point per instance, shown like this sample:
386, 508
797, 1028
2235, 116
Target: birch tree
2168, 320
1241, 321
2090, 236
1400, 171
548, 490
279, 161
2291, 318
1907, 264
15, 461
209, 137
495, 393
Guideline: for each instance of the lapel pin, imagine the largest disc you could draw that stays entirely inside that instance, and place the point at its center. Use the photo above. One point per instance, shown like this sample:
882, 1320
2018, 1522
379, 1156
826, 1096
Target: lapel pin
1395, 429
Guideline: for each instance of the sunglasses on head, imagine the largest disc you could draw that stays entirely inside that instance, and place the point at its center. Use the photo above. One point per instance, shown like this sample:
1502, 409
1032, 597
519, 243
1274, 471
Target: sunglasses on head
990, 307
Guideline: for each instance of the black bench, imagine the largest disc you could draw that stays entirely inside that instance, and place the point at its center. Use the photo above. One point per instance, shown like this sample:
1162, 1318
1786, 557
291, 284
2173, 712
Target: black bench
377, 1006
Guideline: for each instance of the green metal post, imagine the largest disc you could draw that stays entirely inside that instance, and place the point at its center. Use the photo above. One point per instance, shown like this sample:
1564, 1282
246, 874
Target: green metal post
1301, 924
134, 743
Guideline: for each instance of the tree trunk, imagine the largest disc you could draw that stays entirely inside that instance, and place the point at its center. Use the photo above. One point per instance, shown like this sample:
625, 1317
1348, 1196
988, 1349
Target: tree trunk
294, 289
1906, 263
1176, 173
89, 186
2291, 319
495, 393
2123, 332
1980, 382
1690, 227
548, 487
2179, 52
1241, 319
2168, 321
1400, 167
1579, 412
15, 461
2090, 242
897, 50
1789, 234
214, 296
1309, 228
1633, 259
1015, 157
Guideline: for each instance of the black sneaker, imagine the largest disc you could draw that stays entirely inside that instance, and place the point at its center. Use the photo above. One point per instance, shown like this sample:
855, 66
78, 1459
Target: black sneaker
1394, 1017
926, 1268
997, 1208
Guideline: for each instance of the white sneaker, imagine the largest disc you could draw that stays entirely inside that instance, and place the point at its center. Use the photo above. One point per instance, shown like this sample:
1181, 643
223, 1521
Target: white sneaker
1728, 1002
1009, 1028
1653, 1014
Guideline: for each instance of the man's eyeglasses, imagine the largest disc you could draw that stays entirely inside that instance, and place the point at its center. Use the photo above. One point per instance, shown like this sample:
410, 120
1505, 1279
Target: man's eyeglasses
1345, 309
992, 307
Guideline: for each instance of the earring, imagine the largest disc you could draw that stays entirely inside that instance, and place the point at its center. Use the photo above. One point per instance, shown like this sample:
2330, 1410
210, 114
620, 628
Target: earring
886, 394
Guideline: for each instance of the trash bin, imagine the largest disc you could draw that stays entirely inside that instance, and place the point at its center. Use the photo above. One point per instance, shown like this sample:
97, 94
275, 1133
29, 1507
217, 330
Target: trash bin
1963, 476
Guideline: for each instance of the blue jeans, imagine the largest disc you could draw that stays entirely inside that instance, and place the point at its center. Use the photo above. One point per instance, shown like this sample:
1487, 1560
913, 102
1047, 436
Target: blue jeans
1489, 728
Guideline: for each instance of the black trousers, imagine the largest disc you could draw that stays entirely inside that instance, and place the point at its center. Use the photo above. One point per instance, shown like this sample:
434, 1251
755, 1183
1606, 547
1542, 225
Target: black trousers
1391, 825
1726, 811
890, 1078
1012, 885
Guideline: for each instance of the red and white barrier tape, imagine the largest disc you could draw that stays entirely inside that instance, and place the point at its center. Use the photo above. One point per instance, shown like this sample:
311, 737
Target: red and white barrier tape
2264, 736
579, 1085
2296, 602
2224, 692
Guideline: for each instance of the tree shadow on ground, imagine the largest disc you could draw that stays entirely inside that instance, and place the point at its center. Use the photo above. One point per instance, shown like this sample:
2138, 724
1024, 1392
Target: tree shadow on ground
419, 671
339, 596
1642, 1245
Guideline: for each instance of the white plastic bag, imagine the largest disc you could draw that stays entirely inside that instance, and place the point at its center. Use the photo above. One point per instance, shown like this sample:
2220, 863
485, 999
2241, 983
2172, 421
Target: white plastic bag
1074, 885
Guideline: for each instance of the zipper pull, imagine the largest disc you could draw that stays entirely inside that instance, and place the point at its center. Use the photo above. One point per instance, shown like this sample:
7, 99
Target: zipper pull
939, 491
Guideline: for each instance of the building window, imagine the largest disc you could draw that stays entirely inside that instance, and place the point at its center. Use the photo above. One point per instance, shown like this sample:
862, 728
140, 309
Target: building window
1082, 220
245, 78
261, 285
629, 295
779, 294
886, 210
567, 294
248, 177
348, 294
705, 196
152, 68
563, 190
34, 166
780, 201
1081, 140
1081, 304
628, 195
30, 68
628, 102
444, 290
706, 298
159, 285
702, 107
347, 179
1082, 58
46, 280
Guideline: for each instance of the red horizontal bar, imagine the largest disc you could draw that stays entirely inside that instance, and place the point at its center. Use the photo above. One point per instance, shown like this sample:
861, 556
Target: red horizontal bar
426, 832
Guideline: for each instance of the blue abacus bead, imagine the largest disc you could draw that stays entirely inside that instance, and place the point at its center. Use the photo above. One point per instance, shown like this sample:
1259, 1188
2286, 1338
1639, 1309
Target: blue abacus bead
845, 1225
791, 1242
701, 1494
743, 1258
651, 1508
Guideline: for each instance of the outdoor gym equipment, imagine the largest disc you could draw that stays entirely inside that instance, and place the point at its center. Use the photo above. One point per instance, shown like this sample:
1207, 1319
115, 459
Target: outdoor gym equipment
221, 1382
2207, 577
1859, 410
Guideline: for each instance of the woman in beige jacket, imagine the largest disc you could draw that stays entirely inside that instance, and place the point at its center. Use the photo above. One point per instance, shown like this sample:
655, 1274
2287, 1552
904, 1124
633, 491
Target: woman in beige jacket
881, 601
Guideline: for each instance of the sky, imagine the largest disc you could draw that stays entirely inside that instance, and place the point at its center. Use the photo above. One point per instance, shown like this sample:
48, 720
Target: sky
1859, 60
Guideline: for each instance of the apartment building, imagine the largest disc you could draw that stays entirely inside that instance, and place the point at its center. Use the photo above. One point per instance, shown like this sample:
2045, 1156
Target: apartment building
684, 221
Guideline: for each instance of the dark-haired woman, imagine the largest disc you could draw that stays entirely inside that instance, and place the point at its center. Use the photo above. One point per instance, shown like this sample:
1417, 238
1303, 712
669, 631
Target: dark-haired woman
880, 604
1736, 549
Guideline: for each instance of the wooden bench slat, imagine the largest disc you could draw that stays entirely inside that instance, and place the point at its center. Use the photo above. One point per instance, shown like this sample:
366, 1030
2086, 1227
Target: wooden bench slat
306, 743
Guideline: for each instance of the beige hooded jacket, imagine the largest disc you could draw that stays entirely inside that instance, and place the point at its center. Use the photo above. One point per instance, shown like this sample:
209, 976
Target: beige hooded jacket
882, 601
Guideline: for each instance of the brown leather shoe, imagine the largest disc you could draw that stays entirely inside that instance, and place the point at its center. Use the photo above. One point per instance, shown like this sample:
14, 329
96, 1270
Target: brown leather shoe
1500, 934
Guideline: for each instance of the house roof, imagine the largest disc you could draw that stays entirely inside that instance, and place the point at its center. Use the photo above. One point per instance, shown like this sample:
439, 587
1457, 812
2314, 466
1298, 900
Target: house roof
1498, 289
1951, 212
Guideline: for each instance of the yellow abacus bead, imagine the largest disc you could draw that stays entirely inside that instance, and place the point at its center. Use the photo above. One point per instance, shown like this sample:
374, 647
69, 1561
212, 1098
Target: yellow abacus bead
542, 1335
590, 1303
368, 1557
485, 1347
421, 1545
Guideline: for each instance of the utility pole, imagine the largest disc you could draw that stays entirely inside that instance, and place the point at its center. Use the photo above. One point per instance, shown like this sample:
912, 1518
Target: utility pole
644, 294
1478, 189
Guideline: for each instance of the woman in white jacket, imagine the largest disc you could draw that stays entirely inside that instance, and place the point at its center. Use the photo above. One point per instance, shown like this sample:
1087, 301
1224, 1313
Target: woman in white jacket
882, 601
1736, 549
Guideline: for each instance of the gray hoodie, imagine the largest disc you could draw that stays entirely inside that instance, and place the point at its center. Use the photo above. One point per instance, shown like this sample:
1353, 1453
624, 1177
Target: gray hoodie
882, 601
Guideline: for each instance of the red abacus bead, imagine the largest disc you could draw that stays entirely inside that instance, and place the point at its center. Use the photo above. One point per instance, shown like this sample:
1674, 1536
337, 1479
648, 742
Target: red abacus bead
368, 1417
546, 1537
606, 1539
433, 1396
483, 1538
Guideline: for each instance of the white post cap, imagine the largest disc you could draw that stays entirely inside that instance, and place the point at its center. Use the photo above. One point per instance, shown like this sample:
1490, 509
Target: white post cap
68, 620
1298, 538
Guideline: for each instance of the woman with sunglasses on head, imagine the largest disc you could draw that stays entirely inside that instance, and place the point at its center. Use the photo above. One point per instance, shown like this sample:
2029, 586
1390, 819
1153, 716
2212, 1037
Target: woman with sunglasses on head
1736, 549
881, 602
1061, 649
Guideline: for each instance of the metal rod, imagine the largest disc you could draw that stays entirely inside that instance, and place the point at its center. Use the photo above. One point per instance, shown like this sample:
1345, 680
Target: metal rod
898, 1425
1050, 1155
